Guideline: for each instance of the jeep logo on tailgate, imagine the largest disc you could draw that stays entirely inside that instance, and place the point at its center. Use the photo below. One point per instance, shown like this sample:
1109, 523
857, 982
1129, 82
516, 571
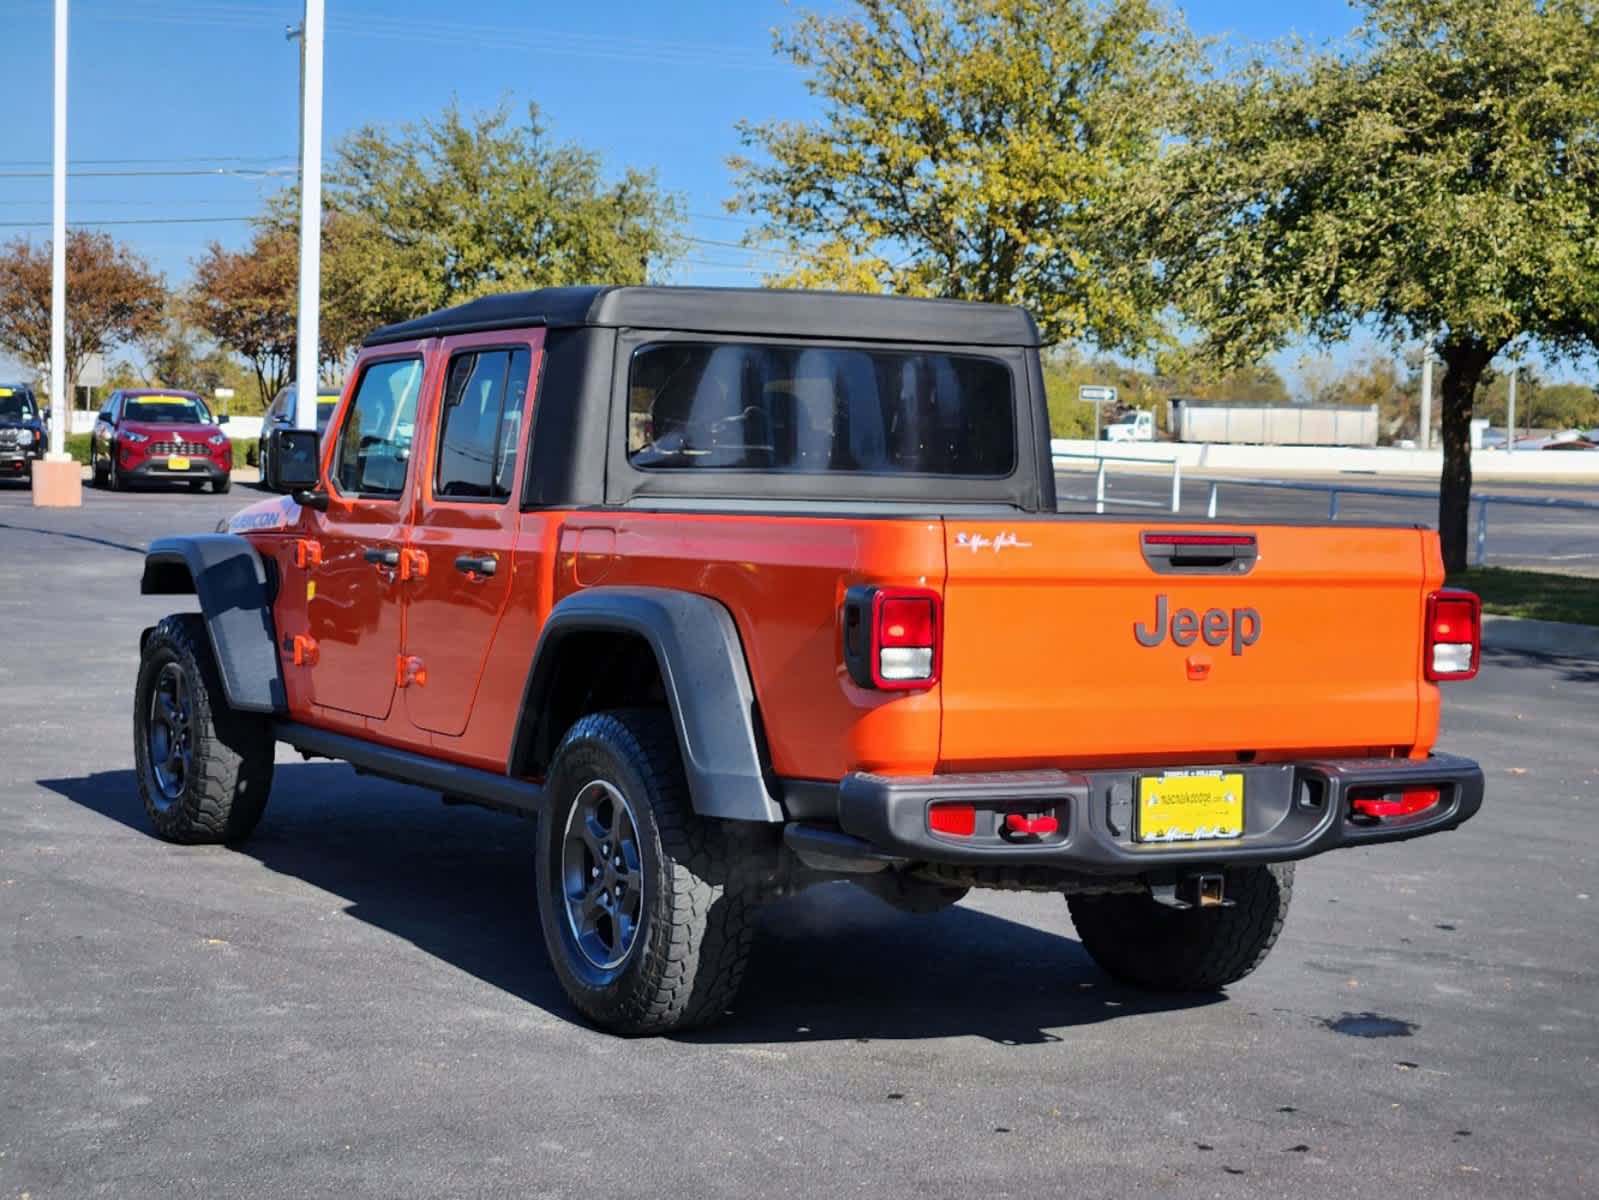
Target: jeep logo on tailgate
1217, 626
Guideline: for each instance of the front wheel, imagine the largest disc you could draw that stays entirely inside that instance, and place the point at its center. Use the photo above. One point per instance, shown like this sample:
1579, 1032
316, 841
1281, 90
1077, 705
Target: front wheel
647, 928
221, 484
204, 769
1165, 949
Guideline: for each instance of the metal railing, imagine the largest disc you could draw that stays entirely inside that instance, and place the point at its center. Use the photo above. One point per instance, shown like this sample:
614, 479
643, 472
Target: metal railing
1099, 497
1483, 500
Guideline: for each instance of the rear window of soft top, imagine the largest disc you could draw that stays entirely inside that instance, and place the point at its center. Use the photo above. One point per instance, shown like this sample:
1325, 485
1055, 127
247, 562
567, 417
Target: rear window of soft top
811, 409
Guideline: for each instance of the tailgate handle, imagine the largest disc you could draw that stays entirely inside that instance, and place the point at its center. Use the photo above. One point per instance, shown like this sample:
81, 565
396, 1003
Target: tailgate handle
1200, 552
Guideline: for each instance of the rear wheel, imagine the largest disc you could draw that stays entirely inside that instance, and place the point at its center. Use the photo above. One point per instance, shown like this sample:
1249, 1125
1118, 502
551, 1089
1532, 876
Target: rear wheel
646, 926
204, 769
1166, 949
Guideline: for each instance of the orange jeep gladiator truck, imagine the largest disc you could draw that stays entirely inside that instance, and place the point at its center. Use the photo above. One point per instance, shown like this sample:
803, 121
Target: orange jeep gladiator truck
735, 591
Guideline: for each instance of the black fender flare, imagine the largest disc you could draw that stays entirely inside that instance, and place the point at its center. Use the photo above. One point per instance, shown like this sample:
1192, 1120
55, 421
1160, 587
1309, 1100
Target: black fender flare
230, 579
704, 674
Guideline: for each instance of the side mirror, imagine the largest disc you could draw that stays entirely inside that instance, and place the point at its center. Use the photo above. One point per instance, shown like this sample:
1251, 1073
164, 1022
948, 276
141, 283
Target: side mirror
296, 459
220, 418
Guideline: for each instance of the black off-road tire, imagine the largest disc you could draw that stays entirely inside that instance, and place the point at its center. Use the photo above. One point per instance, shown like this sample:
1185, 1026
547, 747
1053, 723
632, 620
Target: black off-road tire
1165, 949
696, 914
223, 790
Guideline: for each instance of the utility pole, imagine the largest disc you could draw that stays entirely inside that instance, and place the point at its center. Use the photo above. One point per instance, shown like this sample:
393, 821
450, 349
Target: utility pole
1510, 416
1426, 395
57, 480
308, 338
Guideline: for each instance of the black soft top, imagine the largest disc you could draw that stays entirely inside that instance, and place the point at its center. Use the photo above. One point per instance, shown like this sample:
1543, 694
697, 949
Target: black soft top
738, 311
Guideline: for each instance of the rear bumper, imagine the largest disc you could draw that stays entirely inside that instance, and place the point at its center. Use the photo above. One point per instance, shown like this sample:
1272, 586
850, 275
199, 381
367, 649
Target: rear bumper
1291, 811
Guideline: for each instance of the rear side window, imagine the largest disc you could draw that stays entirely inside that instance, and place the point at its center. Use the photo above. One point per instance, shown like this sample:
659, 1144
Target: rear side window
375, 439
481, 428
816, 409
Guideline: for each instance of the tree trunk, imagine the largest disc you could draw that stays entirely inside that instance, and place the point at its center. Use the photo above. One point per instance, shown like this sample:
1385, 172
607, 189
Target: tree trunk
1464, 362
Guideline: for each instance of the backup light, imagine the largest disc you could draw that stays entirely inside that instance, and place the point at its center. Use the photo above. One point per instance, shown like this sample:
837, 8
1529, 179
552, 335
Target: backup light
1454, 635
905, 638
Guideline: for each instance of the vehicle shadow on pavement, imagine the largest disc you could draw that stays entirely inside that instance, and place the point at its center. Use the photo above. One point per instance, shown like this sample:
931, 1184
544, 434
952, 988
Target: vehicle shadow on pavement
829, 964
1572, 670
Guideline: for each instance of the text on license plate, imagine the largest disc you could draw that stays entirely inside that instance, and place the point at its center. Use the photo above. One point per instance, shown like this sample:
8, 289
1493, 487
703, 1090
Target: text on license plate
177, 464
1190, 806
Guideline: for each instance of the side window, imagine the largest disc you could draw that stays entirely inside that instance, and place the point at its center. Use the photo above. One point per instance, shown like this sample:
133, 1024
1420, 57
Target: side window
375, 439
481, 426
279, 407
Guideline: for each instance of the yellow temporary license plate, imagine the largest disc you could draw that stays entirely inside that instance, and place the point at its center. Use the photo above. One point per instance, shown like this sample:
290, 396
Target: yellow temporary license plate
1190, 806
177, 464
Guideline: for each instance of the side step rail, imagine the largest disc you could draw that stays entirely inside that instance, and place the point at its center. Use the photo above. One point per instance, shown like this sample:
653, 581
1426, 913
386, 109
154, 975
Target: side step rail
491, 790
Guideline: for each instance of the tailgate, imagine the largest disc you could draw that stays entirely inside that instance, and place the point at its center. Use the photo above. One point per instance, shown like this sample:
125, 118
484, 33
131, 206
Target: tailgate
1064, 643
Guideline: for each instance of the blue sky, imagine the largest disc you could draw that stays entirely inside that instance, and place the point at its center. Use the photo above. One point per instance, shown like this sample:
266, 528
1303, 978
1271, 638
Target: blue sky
196, 85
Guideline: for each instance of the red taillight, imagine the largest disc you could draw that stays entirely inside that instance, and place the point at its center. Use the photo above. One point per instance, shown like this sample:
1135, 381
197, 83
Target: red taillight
904, 646
1405, 802
1453, 642
956, 820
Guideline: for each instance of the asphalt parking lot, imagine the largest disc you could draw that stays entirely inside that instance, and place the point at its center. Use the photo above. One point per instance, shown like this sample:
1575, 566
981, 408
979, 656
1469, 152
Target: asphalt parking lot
357, 1003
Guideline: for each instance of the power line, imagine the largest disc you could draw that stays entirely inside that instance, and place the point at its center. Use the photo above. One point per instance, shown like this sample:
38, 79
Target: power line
127, 221
153, 162
217, 172
502, 36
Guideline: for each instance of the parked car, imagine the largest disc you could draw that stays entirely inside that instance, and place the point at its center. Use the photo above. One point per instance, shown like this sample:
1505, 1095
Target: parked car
23, 434
159, 435
280, 415
738, 591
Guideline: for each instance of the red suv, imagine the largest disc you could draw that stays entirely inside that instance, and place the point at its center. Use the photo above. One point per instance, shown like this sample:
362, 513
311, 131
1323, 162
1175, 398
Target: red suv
160, 434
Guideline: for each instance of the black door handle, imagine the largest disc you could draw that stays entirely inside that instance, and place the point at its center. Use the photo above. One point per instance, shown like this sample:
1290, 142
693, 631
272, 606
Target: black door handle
477, 564
384, 556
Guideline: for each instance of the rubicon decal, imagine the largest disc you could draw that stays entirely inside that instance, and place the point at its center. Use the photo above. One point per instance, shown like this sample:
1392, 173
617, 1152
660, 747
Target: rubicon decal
1217, 626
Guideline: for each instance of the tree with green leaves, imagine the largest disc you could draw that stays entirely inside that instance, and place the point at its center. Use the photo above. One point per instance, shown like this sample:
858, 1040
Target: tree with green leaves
968, 149
1436, 179
245, 300
426, 215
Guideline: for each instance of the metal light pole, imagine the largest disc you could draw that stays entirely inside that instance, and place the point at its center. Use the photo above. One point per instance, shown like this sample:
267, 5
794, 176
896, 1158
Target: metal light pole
57, 480
308, 338
1510, 416
58, 247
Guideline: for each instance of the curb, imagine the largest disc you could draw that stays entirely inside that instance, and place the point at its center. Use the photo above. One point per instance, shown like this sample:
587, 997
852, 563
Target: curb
1540, 637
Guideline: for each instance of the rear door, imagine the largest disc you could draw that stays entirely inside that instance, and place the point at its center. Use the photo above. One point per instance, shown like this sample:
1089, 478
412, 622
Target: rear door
1072, 641
466, 524
354, 605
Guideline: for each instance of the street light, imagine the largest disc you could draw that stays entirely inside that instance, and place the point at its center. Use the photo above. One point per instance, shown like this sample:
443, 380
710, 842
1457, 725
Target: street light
57, 481
307, 335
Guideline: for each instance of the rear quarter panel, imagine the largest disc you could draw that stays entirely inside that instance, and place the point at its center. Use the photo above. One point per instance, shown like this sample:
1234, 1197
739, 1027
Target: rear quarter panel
783, 579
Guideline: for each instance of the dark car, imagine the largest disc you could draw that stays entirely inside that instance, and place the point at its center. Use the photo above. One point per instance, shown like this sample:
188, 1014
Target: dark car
22, 431
281, 416
157, 435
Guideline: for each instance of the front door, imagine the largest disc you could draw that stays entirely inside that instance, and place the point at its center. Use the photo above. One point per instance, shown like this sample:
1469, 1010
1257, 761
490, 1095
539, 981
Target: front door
465, 527
355, 595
